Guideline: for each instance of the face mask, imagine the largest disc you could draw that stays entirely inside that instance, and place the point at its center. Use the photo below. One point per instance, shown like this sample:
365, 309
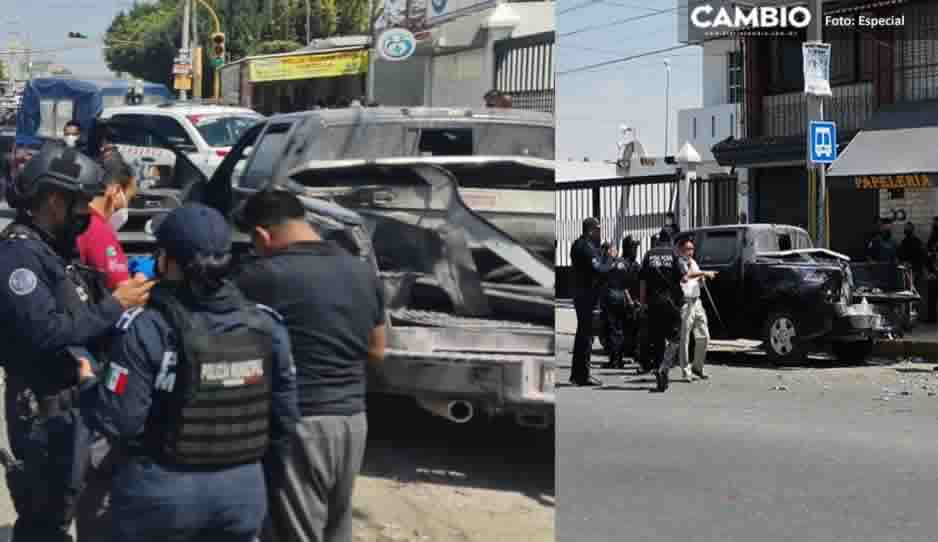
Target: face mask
71, 140
119, 217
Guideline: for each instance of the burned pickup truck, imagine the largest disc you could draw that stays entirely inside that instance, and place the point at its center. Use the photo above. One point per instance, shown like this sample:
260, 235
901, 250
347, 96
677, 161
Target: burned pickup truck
774, 287
458, 235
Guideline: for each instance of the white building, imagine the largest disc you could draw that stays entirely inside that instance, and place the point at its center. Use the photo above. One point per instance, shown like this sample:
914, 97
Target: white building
470, 47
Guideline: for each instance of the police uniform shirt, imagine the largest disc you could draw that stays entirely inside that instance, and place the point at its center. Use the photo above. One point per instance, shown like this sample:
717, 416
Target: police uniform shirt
661, 273
331, 302
44, 310
587, 263
142, 372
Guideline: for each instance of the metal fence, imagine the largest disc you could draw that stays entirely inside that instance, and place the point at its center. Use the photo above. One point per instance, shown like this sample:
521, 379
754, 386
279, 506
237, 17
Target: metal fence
850, 106
524, 69
637, 207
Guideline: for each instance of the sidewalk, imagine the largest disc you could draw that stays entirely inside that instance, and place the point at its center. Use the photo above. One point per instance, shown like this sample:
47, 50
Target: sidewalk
921, 342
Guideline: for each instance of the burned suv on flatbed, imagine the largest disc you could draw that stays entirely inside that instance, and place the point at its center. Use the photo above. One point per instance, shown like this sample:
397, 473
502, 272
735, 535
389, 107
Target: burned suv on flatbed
775, 287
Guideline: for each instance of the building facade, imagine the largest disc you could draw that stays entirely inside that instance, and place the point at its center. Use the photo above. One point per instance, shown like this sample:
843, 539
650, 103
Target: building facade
470, 47
883, 79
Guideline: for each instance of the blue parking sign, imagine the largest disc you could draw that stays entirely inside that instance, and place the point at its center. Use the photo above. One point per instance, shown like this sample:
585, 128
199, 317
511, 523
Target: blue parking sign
822, 142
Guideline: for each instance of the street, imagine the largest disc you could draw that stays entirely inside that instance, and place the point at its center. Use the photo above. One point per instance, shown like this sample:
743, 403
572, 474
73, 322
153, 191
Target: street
754, 453
428, 480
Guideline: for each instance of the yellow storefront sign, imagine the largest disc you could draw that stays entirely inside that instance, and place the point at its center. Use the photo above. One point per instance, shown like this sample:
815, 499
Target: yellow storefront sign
892, 182
309, 66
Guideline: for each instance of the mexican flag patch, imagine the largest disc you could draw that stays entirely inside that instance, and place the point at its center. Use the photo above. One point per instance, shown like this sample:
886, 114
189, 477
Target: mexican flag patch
117, 378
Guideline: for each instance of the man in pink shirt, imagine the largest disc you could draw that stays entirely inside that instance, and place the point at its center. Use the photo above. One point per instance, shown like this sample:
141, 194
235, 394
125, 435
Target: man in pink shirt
99, 246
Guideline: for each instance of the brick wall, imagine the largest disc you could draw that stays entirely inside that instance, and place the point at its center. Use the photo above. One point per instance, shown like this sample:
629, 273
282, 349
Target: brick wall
919, 206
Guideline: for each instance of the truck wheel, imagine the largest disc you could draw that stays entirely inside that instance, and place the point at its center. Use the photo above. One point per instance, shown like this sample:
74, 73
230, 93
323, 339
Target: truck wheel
858, 351
780, 337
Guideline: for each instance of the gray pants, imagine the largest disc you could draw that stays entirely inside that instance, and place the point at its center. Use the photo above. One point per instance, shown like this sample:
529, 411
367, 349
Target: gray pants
311, 495
93, 518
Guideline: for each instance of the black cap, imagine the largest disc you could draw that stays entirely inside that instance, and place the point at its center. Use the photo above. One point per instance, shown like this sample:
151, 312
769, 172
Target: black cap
192, 230
58, 166
628, 241
590, 223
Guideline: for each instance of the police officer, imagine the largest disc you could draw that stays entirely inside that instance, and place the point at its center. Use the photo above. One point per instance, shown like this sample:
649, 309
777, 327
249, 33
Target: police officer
48, 306
617, 301
199, 389
661, 293
587, 267
633, 315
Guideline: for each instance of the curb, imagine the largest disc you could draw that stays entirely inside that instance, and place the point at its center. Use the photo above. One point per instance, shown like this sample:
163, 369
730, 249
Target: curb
927, 350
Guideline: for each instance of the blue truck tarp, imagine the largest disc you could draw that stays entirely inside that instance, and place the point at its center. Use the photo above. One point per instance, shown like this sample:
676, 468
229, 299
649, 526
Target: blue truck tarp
87, 96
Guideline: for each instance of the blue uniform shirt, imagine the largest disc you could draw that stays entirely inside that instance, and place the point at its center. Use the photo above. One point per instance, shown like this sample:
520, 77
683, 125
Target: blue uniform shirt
38, 323
141, 347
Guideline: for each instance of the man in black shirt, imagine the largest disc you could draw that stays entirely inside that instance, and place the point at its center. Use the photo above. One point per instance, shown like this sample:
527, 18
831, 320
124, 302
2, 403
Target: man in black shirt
333, 306
587, 268
932, 262
661, 293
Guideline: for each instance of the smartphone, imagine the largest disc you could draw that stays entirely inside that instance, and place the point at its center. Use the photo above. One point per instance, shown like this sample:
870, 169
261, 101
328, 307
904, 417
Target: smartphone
78, 352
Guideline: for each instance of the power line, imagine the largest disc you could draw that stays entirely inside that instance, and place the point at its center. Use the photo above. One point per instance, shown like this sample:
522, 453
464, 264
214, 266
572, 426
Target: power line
618, 22
589, 3
633, 57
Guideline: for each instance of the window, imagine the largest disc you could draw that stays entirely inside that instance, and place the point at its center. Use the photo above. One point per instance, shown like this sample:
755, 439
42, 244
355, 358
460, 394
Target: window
53, 114
732, 125
695, 127
126, 134
446, 142
713, 125
170, 129
786, 70
264, 156
734, 77
719, 248
222, 131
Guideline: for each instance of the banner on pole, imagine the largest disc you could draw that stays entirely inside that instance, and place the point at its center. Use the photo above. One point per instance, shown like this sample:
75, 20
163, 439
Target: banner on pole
817, 68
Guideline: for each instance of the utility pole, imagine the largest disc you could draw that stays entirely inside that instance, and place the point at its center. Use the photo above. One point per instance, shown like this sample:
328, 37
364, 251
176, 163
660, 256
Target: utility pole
196, 55
184, 43
309, 18
667, 104
816, 112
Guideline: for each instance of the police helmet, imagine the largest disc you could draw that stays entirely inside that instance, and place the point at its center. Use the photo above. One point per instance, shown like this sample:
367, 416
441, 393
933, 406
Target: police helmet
57, 166
664, 236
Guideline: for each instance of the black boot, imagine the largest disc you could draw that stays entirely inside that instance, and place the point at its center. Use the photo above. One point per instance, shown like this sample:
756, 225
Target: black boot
662, 378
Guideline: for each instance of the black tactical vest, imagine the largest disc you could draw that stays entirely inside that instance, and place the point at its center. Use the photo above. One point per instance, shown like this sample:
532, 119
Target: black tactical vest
220, 402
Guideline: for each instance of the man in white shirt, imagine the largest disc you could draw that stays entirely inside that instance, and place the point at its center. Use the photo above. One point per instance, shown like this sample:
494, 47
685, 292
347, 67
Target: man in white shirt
693, 315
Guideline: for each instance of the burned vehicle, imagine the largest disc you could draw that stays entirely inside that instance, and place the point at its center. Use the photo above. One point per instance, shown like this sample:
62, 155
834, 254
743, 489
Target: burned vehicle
524, 208
890, 288
470, 306
774, 287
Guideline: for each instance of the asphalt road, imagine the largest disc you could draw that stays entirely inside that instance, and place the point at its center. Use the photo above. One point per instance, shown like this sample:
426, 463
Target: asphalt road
753, 454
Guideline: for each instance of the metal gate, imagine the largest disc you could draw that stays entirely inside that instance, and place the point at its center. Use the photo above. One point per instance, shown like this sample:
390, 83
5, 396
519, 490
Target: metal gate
524, 69
636, 207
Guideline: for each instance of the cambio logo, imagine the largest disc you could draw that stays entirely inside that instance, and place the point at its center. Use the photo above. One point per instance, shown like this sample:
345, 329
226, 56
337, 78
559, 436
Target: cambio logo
751, 17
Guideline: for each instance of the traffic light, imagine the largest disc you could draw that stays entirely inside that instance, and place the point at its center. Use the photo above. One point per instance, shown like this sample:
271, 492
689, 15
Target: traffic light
218, 48
78, 35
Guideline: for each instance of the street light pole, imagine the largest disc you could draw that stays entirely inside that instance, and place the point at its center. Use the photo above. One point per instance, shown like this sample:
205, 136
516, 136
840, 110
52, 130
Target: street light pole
667, 104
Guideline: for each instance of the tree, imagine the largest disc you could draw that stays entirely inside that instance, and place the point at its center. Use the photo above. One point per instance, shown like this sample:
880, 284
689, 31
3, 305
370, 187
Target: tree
3, 73
144, 41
